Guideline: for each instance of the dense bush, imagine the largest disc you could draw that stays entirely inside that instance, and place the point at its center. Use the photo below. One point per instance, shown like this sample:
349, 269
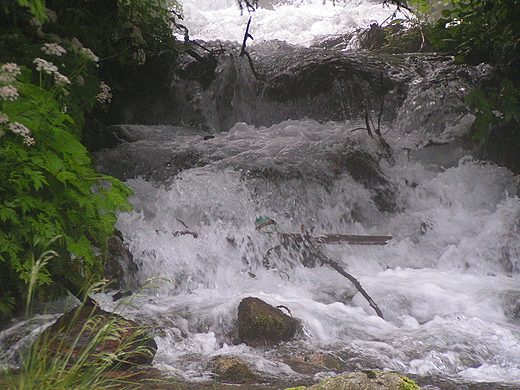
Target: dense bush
51, 64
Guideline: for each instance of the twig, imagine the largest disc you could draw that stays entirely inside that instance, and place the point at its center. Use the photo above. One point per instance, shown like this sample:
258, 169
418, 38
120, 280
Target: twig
243, 51
355, 282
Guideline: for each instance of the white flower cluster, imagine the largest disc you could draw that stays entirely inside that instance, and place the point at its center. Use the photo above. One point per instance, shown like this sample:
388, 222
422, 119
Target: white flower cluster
105, 93
140, 56
61, 80
50, 68
8, 73
21, 129
4, 119
89, 54
45, 66
53, 49
8, 93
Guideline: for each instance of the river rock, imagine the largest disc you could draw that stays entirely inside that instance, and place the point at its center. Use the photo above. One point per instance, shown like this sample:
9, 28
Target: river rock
229, 369
119, 266
315, 362
260, 324
79, 331
367, 380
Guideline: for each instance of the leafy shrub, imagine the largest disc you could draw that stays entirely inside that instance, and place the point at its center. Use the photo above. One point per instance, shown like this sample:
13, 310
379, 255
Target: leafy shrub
49, 185
50, 79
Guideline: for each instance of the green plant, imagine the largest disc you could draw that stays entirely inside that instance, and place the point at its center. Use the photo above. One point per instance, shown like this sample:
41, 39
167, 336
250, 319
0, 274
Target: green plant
49, 185
492, 108
76, 355
50, 79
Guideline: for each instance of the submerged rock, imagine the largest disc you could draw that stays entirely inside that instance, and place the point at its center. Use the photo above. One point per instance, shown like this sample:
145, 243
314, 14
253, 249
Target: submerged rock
89, 335
315, 362
366, 380
229, 369
260, 324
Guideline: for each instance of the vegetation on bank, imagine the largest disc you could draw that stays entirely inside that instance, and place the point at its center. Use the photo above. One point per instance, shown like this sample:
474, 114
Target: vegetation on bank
474, 32
59, 60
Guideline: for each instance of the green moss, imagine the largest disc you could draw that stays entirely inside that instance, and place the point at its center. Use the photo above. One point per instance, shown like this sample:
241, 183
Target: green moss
370, 374
266, 325
238, 373
296, 388
407, 383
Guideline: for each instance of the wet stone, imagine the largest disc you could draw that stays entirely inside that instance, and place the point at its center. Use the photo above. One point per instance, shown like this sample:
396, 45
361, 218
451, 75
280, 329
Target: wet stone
260, 324
229, 369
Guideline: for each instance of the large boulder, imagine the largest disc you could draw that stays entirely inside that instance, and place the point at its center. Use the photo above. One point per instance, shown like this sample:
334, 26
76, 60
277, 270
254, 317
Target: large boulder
260, 324
88, 335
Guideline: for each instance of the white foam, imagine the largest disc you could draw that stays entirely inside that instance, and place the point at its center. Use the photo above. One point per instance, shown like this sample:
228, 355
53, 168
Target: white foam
296, 22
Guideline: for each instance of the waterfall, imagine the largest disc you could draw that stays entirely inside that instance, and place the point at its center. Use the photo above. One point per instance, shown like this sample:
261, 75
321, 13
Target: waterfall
447, 282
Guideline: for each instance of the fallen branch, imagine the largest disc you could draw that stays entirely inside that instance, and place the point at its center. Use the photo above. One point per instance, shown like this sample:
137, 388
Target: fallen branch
243, 51
355, 282
311, 255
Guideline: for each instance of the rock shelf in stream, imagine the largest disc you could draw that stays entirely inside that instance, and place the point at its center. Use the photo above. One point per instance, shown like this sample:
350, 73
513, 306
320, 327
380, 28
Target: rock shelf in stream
159, 153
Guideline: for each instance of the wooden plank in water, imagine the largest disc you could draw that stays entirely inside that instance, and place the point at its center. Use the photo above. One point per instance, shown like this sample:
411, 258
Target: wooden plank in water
352, 239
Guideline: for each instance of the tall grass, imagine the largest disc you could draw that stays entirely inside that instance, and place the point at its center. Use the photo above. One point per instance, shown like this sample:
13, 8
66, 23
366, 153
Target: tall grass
76, 355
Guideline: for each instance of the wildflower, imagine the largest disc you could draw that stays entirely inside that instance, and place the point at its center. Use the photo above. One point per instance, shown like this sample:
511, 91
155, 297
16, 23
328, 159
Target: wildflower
51, 15
9, 93
76, 43
23, 130
11, 68
46, 66
498, 114
8, 73
4, 119
105, 93
80, 81
19, 128
28, 140
53, 49
60, 79
89, 54
140, 56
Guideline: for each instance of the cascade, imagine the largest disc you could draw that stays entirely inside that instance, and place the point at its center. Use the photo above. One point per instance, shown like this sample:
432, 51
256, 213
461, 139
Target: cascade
448, 280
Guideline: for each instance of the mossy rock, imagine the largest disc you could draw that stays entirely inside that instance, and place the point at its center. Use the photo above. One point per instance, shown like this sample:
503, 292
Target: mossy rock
260, 324
229, 369
312, 363
366, 380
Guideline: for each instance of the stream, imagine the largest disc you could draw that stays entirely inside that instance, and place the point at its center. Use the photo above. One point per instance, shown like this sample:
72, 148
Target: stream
447, 283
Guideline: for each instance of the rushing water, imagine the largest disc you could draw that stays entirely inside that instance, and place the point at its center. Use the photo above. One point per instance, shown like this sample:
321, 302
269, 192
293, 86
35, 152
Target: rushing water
297, 21
447, 283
